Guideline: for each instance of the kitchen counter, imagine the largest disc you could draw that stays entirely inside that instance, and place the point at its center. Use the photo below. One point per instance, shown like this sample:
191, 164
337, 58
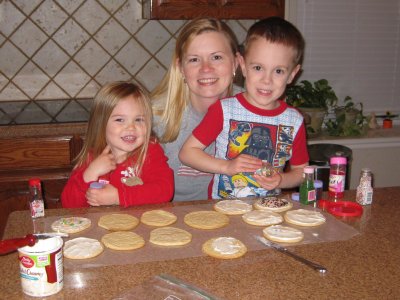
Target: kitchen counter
32, 130
365, 266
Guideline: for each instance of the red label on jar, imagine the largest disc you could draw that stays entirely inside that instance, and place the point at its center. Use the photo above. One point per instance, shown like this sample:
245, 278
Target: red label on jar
27, 262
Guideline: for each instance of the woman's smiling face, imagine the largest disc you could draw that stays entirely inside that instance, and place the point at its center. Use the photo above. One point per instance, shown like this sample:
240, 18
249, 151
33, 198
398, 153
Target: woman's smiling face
208, 66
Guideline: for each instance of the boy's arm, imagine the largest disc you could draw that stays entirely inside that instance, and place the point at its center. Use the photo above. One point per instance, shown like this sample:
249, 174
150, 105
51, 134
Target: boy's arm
192, 154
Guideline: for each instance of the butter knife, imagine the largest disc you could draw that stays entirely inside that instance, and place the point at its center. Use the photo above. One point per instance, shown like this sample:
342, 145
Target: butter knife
282, 249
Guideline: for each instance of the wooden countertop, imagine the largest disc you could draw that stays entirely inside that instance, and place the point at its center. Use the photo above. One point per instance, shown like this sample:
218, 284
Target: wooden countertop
363, 267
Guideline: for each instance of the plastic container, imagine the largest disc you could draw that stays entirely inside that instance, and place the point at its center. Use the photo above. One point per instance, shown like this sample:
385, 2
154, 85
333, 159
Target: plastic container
337, 177
41, 267
318, 184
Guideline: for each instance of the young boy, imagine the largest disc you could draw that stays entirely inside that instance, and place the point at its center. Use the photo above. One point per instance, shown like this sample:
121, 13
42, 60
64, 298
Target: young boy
255, 127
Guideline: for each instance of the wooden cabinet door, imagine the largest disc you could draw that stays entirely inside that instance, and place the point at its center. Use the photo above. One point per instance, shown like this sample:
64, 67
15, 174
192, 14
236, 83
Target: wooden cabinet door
221, 9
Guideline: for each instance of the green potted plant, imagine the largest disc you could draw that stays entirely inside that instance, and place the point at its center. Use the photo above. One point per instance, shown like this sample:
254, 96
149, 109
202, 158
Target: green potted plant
313, 99
349, 119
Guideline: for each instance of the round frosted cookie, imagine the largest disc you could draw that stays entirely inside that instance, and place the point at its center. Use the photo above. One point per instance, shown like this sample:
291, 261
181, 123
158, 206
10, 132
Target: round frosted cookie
82, 248
71, 224
224, 248
122, 240
304, 217
158, 217
206, 219
118, 222
262, 218
284, 234
273, 204
232, 207
170, 236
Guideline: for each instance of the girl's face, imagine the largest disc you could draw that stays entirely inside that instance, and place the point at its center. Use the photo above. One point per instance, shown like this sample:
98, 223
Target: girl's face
268, 68
208, 66
126, 128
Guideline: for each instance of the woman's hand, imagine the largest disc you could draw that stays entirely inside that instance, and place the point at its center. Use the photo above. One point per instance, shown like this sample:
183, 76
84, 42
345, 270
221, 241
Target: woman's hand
108, 195
101, 165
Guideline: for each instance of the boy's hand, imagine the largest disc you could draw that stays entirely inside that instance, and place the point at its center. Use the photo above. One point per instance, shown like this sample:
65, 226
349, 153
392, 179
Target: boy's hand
270, 182
101, 165
108, 195
242, 163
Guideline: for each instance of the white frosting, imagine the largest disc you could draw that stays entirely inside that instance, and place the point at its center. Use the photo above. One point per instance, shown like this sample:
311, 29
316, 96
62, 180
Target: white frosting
263, 217
70, 224
234, 206
82, 248
305, 216
283, 232
226, 245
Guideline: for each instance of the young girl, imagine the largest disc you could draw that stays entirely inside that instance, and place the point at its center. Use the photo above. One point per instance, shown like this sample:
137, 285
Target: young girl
119, 154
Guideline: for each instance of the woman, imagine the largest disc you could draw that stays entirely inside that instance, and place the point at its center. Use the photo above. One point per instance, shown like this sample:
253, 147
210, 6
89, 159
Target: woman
202, 70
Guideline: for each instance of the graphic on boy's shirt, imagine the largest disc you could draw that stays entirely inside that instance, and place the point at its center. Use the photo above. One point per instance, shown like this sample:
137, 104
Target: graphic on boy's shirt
267, 142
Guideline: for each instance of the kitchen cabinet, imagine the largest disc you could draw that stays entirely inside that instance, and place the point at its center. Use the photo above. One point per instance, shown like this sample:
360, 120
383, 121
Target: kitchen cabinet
221, 9
43, 151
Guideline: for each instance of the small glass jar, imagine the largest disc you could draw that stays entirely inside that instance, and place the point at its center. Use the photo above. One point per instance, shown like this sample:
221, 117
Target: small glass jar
318, 185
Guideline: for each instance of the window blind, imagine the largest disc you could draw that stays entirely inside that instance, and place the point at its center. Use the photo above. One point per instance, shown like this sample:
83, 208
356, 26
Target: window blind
355, 45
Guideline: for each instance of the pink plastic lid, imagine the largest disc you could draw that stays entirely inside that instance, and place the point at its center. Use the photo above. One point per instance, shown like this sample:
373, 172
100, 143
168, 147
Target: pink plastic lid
308, 170
338, 160
34, 181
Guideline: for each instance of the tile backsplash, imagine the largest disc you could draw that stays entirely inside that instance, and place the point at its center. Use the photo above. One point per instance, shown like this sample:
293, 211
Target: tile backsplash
55, 54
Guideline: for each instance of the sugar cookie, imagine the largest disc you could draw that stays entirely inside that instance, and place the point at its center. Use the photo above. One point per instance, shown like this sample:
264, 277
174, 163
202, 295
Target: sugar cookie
206, 219
170, 236
262, 218
158, 217
118, 222
71, 224
284, 234
273, 203
303, 217
224, 248
232, 207
122, 240
82, 248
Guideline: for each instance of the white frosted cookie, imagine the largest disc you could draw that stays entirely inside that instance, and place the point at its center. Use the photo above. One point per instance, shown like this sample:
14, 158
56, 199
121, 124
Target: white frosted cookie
284, 234
262, 218
118, 222
273, 203
224, 248
304, 217
82, 248
158, 217
206, 219
122, 240
232, 207
170, 236
71, 224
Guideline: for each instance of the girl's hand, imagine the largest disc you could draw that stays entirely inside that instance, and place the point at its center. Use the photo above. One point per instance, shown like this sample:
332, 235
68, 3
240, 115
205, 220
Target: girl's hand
270, 182
242, 163
108, 195
101, 165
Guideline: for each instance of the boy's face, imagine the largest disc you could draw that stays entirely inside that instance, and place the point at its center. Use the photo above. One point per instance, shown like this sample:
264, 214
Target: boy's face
268, 68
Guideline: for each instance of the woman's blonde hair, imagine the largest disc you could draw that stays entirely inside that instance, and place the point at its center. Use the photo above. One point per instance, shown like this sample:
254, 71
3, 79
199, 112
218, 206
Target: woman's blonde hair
104, 102
172, 89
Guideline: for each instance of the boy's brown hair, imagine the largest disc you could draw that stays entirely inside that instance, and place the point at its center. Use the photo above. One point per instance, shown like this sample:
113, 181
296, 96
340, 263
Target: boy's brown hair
277, 30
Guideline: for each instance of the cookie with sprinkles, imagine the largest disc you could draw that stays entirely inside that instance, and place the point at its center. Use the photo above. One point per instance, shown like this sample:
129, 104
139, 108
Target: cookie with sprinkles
272, 203
71, 224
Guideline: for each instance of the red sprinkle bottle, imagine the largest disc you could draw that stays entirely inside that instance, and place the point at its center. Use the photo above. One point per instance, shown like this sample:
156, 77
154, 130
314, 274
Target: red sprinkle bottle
337, 177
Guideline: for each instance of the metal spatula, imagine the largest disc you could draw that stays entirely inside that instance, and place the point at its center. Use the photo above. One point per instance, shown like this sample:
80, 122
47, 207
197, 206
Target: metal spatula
282, 249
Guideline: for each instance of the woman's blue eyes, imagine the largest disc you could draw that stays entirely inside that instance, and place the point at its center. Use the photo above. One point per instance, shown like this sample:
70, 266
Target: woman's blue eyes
196, 59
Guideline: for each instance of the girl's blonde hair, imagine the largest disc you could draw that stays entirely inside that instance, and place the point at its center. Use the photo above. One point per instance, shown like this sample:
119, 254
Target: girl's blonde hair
104, 102
172, 89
